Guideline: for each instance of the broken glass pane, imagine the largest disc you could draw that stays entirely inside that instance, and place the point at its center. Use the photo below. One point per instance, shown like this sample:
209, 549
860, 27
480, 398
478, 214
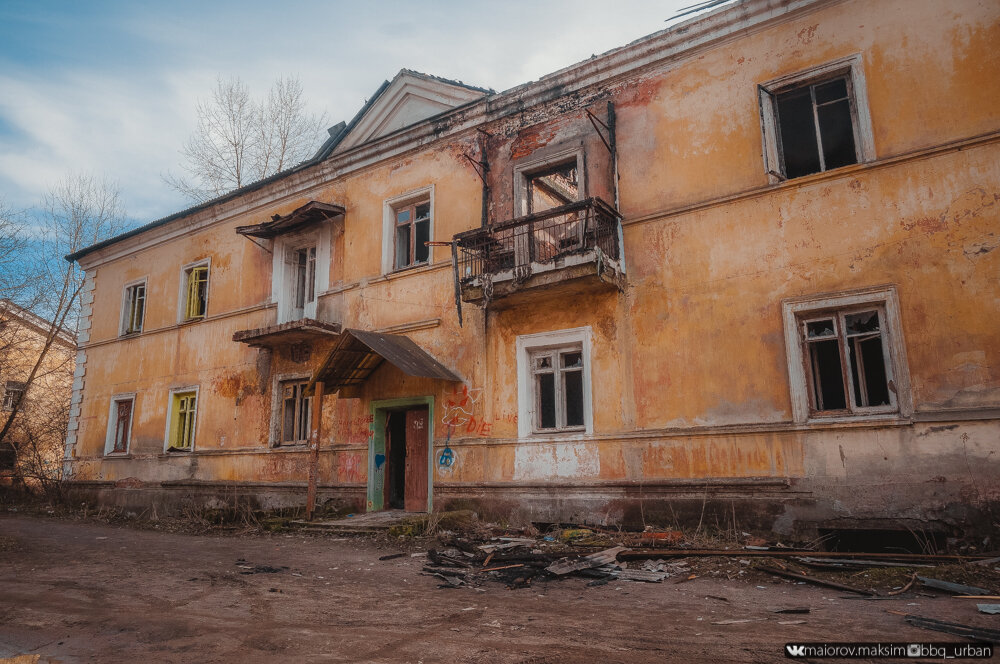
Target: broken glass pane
862, 323
868, 366
423, 211
570, 360
819, 329
544, 362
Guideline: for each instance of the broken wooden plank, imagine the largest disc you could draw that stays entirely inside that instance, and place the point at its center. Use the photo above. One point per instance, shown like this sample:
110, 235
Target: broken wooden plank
496, 569
956, 588
851, 562
975, 633
744, 553
566, 566
639, 575
816, 582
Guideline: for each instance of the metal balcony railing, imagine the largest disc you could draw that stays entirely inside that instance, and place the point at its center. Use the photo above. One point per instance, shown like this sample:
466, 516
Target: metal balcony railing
521, 246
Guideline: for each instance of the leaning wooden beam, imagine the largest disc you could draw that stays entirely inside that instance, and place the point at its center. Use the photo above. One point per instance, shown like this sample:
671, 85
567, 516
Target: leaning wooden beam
317, 419
750, 553
814, 581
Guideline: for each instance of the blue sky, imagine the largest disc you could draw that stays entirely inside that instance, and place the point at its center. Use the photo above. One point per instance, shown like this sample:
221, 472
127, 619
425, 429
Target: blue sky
111, 87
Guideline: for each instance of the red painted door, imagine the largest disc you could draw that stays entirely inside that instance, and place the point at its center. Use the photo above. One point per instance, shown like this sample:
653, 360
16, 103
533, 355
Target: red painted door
416, 460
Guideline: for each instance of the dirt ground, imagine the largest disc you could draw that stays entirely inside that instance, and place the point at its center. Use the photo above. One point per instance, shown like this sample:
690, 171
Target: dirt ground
74, 591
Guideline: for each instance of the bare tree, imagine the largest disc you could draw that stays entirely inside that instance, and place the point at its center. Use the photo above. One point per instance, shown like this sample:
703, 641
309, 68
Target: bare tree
240, 140
78, 212
13, 243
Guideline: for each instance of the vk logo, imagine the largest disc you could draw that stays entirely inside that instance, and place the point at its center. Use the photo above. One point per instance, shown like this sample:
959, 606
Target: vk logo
795, 651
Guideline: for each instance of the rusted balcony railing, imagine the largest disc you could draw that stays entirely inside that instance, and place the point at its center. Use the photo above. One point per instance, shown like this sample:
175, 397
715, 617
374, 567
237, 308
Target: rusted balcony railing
514, 250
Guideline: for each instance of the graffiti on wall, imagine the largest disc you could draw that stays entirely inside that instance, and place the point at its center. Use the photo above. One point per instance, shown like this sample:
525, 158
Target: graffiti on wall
354, 430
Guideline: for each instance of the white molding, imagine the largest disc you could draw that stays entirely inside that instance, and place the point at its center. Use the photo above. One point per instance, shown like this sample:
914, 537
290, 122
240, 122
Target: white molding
884, 296
852, 67
112, 420
282, 286
389, 207
525, 403
170, 414
274, 435
182, 290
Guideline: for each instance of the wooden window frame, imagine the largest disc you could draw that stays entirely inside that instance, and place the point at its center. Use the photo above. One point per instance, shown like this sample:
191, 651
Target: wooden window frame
11, 390
187, 312
390, 208
411, 225
530, 346
796, 312
302, 412
174, 417
113, 422
554, 354
130, 294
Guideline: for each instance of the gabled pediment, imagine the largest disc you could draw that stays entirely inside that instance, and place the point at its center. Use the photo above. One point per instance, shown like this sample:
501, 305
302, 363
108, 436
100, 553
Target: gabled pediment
408, 99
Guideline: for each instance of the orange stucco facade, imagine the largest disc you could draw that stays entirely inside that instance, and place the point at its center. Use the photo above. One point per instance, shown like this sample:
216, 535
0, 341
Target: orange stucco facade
691, 392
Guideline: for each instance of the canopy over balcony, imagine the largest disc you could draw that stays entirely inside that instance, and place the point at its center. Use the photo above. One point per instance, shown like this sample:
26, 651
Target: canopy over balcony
310, 213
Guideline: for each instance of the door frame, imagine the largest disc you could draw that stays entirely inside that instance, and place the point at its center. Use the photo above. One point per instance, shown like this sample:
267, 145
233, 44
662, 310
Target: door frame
376, 446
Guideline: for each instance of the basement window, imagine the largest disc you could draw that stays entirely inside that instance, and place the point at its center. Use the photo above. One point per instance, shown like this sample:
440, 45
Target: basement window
133, 308
194, 291
847, 357
181, 424
815, 121
296, 412
119, 424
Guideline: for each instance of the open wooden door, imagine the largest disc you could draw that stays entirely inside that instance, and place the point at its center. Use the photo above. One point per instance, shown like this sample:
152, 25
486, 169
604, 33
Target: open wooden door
416, 460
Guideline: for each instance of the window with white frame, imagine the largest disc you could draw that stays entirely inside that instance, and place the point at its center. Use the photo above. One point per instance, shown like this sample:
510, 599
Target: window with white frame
407, 227
182, 420
301, 272
846, 356
119, 434
554, 394
816, 120
133, 308
13, 396
301, 264
194, 291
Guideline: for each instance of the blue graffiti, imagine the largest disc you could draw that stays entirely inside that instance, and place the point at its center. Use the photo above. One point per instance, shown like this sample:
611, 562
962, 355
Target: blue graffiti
379, 461
446, 458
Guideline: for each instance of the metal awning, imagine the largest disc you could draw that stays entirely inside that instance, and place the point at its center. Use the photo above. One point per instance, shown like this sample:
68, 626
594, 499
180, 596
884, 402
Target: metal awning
310, 213
358, 354
286, 334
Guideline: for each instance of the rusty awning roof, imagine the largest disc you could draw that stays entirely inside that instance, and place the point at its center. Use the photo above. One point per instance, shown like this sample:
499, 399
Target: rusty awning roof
311, 212
286, 334
359, 354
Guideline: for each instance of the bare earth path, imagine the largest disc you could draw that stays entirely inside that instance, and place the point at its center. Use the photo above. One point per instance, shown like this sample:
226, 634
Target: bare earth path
75, 592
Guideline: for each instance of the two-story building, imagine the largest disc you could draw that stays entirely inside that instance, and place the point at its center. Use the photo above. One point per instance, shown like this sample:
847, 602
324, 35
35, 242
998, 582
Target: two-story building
742, 270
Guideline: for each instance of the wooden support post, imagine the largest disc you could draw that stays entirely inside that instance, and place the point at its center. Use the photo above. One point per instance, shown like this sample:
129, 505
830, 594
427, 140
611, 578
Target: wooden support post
317, 419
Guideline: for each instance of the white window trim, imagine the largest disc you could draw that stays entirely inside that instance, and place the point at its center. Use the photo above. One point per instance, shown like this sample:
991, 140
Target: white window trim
853, 67
389, 207
182, 290
283, 287
524, 169
795, 309
123, 318
274, 438
170, 415
526, 343
109, 438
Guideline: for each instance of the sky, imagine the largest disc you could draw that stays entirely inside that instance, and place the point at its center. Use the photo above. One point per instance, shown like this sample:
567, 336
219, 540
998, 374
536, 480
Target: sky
110, 87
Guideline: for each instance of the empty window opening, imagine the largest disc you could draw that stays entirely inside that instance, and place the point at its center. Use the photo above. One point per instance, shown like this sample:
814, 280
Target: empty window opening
413, 232
555, 186
135, 309
817, 128
13, 396
296, 413
846, 357
196, 297
121, 413
882, 540
558, 382
182, 421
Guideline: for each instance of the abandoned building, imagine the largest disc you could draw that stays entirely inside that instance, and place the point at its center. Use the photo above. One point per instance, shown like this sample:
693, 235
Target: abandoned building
742, 270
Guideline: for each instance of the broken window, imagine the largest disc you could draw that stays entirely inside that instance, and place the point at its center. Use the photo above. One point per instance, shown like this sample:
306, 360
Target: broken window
120, 425
183, 410
13, 395
846, 356
296, 412
304, 262
553, 187
557, 379
134, 308
413, 232
196, 292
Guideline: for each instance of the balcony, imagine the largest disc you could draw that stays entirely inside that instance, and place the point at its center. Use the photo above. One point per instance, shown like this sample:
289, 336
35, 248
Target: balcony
578, 242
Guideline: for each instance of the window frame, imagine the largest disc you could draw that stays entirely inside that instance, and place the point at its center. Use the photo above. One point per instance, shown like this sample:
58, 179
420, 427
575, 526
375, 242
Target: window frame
390, 207
112, 428
168, 432
11, 387
284, 278
126, 309
529, 346
546, 160
277, 408
184, 290
850, 68
796, 312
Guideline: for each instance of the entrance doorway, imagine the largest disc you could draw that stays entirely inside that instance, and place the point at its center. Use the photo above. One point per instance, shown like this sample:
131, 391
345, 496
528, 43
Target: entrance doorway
399, 466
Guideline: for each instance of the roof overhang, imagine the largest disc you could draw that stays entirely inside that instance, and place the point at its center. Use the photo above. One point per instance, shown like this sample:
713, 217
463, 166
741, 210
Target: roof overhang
305, 330
310, 213
358, 354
